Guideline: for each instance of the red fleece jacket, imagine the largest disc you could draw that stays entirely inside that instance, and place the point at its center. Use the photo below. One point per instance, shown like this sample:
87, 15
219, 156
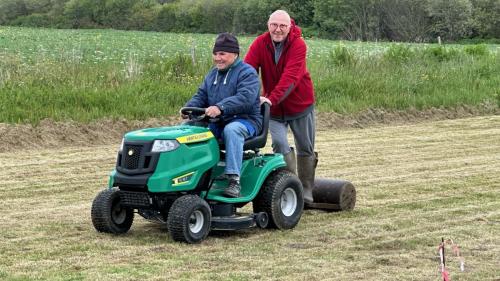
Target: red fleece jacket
287, 84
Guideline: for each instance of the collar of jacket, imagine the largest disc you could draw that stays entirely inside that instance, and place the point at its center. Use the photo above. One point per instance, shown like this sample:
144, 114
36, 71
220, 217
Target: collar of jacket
226, 71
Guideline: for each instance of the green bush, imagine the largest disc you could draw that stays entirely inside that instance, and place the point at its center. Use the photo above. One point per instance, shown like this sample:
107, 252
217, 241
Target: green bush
441, 53
166, 18
310, 32
181, 65
34, 20
479, 41
476, 50
398, 53
341, 56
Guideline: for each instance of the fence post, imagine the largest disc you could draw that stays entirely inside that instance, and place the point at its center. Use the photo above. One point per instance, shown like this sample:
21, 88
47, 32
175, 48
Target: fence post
193, 53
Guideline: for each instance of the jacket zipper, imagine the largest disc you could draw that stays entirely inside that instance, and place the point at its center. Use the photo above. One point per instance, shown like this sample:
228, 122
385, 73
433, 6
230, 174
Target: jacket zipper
285, 47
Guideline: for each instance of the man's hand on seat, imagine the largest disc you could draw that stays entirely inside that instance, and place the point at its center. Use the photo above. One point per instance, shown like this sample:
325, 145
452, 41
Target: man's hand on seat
264, 99
213, 111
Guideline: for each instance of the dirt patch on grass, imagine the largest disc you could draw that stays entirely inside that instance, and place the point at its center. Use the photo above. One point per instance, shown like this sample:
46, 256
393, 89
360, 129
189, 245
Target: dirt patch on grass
378, 116
49, 133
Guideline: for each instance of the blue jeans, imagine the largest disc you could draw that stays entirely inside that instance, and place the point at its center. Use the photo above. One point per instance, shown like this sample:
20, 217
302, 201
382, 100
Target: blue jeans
234, 135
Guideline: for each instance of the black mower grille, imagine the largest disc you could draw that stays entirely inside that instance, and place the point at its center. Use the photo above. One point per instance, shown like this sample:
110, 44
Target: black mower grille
136, 158
132, 155
134, 199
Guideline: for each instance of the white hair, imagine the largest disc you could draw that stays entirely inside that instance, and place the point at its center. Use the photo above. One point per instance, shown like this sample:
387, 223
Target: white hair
281, 13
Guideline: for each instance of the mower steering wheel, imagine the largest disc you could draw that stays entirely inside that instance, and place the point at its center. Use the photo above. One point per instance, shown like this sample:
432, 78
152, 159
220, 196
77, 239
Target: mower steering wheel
197, 114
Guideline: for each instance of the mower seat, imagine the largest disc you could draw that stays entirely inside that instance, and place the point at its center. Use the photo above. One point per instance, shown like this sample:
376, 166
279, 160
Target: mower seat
258, 141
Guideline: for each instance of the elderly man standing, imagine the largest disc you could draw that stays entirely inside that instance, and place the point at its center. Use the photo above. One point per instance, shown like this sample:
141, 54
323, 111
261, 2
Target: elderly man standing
280, 54
231, 91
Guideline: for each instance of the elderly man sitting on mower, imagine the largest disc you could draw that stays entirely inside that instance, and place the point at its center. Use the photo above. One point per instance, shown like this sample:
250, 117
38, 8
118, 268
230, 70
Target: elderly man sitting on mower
230, 91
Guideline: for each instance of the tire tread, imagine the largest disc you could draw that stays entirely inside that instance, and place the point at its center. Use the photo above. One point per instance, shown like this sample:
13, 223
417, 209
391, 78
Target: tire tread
271, 192
101, 213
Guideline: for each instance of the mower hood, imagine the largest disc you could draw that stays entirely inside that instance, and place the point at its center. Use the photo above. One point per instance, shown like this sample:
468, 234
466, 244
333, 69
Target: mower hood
182, 133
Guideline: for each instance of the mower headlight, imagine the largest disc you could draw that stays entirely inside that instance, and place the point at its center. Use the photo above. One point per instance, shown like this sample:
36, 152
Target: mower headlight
164, 145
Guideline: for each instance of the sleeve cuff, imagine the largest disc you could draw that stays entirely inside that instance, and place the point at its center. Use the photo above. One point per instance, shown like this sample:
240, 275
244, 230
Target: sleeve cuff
221, 107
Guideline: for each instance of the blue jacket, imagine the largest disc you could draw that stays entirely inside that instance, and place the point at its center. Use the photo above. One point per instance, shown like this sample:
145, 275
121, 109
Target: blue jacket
235, 91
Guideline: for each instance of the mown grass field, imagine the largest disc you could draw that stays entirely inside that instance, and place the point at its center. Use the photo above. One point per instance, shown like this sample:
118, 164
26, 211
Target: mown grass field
416, 183
87, 75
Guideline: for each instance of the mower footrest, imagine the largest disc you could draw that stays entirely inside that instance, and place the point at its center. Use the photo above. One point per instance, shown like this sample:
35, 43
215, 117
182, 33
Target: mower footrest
232, 223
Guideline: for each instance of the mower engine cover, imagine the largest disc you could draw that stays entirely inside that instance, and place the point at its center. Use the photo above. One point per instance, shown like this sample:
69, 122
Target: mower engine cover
165, 159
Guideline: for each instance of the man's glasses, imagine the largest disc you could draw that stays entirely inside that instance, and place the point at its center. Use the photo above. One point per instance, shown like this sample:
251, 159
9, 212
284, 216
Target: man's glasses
274, 26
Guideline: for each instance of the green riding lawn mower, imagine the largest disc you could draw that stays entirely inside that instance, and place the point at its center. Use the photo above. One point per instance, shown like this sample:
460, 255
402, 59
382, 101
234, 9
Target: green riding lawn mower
174, 176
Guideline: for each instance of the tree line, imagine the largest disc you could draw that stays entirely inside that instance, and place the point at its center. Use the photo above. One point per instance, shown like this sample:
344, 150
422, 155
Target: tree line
365, 20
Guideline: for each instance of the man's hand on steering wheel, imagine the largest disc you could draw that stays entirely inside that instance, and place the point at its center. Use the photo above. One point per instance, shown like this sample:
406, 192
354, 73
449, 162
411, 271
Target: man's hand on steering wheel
213, 111
183, 116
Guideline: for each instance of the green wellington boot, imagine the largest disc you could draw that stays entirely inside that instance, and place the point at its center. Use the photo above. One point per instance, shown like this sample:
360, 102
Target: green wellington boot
306, 167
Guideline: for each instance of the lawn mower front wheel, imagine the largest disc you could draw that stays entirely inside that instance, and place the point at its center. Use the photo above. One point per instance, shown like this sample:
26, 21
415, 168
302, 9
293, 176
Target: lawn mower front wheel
189, 219
108, 215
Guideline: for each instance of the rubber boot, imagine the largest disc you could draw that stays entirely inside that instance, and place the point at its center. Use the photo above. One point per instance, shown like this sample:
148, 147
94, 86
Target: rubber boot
306, 166
291, 164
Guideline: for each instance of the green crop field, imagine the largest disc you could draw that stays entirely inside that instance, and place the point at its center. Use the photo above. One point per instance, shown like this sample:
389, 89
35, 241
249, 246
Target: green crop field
99, 46
84, 75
